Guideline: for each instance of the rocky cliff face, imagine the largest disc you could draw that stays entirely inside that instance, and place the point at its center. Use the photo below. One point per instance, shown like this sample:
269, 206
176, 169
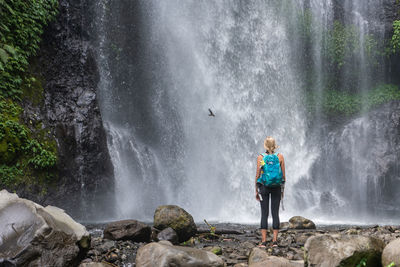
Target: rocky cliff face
67, 64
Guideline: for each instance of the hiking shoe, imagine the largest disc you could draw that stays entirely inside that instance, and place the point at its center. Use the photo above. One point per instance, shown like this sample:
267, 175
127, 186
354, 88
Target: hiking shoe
263, 244
274, 244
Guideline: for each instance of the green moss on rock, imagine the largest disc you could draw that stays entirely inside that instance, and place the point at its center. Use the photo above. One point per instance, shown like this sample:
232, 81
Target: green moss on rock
176, 218
27, 156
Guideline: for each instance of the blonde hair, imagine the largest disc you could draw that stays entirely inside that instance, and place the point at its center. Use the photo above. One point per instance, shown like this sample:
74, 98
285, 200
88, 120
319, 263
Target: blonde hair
270, 145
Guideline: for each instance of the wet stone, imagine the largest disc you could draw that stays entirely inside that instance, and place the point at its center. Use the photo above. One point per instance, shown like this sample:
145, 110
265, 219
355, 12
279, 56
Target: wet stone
235, 249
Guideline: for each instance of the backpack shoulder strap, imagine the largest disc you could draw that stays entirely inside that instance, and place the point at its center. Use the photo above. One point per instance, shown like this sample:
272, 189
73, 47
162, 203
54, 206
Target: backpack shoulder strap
263, 154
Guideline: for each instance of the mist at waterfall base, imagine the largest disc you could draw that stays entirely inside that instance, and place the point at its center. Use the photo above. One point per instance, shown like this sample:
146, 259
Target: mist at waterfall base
162, 64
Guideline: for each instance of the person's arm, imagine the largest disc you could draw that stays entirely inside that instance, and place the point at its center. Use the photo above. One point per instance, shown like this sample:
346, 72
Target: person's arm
282, 163
258, 172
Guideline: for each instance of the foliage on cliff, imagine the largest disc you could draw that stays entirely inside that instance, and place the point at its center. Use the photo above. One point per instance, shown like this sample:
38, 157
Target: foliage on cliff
395, 42
335, 102
333, 81
344, 44
26, 150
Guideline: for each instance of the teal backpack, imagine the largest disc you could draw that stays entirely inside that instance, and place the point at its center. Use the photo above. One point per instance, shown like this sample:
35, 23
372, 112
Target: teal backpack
271, 172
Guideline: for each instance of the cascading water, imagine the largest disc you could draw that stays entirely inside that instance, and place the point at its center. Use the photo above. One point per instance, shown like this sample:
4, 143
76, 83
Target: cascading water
344, 184
164, 63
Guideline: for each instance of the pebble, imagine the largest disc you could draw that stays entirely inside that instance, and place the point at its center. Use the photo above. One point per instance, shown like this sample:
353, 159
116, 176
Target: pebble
234, 249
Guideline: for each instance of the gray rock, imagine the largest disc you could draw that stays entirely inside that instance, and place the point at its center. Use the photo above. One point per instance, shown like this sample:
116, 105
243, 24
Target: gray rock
342, 250
391, 253
165, 242
273, 261
257, 255
36, 236
301, 239
284, 225
94, 264
106, 246
248, 245
161, 255
168, 234
176, 218
298, 222
128, 230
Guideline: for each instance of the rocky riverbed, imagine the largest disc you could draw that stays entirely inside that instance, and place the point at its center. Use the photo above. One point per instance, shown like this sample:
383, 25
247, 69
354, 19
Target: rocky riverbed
234, 243
33, 235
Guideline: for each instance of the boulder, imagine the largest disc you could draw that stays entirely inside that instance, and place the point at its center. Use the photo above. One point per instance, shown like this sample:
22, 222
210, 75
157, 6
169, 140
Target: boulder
128, 230
273, 261
298, 222
168, 234
176, 218
94, 264
343, 250
257, 255
391, 253
36, 236
260, 258
165, 255
284, 225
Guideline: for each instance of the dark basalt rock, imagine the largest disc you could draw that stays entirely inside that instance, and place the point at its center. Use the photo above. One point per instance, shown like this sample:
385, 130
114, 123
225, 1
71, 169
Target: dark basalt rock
67, 64
128, 230
168, 234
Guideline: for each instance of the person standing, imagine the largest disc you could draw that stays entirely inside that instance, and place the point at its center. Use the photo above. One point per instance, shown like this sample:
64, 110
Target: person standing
270, 176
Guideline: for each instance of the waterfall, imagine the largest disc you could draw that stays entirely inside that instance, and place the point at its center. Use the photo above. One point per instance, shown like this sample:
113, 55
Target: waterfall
163, 64
344, 184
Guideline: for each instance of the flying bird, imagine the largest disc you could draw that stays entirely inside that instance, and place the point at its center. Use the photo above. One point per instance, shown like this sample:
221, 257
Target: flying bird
211, 113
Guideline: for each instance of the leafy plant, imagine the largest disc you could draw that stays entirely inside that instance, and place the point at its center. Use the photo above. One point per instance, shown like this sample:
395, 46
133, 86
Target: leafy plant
21, 24
6, 51
363, 262
344, 44
395, 42
337, 102
24, 151
212, 228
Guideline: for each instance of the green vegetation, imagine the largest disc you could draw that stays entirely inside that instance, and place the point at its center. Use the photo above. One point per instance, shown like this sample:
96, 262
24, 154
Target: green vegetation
340, 48
336, 102
363, 262
344, 45
21, 153
395, 42
28, 153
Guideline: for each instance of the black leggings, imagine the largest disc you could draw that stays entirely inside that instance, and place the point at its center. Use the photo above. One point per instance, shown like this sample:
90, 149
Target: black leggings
275, 193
